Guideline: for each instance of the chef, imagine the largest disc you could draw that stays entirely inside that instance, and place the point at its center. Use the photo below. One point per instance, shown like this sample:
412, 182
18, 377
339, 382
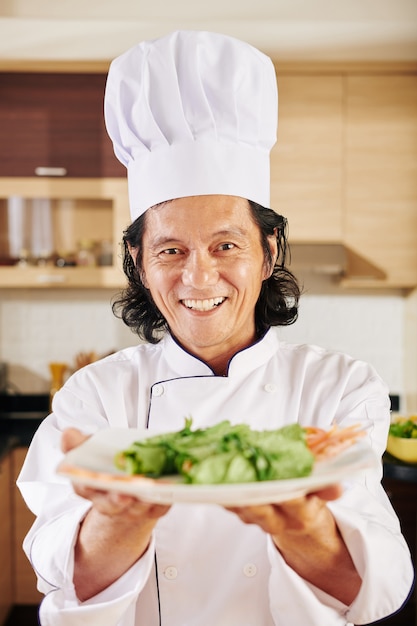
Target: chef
193, 117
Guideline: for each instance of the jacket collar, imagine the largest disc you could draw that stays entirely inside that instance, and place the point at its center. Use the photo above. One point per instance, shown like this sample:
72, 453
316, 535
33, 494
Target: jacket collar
185, 364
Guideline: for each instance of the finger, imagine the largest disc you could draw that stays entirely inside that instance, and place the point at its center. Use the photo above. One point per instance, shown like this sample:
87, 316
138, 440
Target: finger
88, 493
262, 514
134, 506
113, 499
332, 492
115, 503
71, 438
106, 502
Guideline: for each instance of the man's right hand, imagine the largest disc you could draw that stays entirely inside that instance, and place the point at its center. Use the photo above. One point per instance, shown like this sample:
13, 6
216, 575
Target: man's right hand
114, 534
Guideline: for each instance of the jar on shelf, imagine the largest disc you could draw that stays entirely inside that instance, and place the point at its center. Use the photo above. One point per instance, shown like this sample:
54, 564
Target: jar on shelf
24, 258
105, 253
64, 258
86, 255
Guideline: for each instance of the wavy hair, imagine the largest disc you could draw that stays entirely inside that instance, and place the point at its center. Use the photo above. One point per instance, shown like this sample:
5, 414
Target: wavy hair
279, 296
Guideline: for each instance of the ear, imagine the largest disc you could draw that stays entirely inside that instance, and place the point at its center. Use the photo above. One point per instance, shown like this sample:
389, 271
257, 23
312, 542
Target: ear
133, 251
273, 246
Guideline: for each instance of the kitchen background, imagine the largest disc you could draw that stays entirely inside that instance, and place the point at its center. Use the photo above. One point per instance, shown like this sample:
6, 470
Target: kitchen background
344, 172
37, 327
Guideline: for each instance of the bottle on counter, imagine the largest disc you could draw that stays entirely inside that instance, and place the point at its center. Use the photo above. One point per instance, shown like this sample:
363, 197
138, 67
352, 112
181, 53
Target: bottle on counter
58, 371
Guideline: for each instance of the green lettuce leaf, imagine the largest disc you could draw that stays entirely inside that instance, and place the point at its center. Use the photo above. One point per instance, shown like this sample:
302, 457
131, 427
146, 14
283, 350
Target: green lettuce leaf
223, 453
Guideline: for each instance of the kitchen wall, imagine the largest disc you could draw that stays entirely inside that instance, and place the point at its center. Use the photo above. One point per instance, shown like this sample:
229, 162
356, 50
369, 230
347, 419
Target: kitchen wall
368, 327
410, 351
38, 326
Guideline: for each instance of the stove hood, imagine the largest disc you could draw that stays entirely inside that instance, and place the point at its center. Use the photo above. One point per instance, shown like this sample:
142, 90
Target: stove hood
334, 260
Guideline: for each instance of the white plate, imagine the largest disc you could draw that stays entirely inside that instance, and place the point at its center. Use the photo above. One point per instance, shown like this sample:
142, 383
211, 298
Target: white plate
92, 464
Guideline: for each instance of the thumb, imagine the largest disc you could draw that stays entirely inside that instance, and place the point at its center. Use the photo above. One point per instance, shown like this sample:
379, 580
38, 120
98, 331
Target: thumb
332, 492
71, 438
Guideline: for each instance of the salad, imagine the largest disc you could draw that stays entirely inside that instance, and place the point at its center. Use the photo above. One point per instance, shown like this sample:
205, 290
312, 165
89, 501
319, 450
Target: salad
226, 453
407, 429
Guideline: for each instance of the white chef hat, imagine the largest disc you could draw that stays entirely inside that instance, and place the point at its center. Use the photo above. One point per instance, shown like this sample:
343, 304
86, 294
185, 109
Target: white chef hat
192, 113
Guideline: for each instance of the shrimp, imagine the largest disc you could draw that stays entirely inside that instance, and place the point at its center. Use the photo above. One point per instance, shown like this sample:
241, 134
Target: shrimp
328, 443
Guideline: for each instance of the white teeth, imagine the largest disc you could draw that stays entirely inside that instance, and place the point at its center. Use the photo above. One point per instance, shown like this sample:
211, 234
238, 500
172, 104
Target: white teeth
203, 305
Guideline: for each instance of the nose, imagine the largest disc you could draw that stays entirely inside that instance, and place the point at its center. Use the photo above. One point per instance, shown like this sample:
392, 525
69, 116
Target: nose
200, 270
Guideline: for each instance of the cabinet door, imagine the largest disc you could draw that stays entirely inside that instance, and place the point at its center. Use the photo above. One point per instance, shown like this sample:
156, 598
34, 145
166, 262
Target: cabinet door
25, 591
381, 173
6, 591
307, 160
55, 121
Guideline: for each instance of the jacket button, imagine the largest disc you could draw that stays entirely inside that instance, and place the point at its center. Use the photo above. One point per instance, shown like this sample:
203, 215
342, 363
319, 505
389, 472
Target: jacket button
270, 388
157, 390
171, 572
250, 570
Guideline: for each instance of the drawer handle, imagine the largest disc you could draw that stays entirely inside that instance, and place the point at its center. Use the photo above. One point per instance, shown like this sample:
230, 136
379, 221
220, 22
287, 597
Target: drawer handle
50, 171
51, 278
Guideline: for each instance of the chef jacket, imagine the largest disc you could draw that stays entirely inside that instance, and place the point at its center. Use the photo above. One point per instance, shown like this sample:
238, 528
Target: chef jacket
204, 566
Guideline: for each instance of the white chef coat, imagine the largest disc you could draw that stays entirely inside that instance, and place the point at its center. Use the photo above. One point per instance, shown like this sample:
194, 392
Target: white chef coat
204, 566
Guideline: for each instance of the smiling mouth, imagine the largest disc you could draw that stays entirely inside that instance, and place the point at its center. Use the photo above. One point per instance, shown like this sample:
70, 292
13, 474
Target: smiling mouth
203, 305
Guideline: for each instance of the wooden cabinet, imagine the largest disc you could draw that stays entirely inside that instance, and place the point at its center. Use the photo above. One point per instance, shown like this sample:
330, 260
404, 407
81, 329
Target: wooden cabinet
25, 591
307, 161
55, 121
76, 209
381, 173
6, 588
344, 169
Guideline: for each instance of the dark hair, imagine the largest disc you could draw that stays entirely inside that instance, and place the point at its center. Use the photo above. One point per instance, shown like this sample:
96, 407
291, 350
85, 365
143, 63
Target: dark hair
277, 304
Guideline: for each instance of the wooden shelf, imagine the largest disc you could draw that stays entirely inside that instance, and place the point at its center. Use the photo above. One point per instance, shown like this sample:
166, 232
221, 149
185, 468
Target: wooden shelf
98, 208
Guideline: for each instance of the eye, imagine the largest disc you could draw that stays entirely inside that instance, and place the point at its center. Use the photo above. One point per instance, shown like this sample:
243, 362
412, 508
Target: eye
171, 251
226, 246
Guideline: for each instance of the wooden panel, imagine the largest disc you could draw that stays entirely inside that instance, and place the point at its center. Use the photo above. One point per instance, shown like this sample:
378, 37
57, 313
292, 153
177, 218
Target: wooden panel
66, 278
54, 120
381, 173
308, 158
6, 589
25, 591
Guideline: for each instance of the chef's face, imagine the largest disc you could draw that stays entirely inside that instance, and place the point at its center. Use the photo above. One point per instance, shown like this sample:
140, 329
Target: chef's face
204, 265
